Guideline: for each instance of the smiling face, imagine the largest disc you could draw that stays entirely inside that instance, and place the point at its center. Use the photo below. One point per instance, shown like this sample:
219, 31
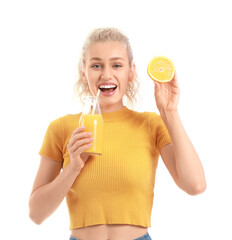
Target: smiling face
107, 64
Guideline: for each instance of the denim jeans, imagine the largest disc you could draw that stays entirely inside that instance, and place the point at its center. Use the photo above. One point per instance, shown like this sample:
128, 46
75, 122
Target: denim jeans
144, 237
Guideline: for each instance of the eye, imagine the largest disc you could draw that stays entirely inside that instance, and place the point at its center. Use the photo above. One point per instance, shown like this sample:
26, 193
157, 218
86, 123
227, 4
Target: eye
96, 66
117, 65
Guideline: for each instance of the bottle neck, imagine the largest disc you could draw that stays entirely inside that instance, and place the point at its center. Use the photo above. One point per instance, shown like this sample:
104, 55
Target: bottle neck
92, 106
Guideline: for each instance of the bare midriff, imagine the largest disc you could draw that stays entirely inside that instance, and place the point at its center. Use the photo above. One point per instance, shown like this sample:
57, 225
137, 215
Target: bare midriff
109, 232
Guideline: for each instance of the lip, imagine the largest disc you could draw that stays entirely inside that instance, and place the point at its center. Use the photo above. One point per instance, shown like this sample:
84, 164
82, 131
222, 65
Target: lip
107, 94
107, 83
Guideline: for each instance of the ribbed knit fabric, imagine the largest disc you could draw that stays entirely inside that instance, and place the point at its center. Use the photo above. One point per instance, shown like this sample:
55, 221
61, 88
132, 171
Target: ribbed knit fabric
116, 187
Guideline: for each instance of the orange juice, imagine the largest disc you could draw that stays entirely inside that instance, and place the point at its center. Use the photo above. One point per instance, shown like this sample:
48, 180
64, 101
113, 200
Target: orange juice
93, 123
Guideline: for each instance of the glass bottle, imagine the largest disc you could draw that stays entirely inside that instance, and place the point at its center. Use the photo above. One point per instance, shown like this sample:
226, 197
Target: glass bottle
92, 120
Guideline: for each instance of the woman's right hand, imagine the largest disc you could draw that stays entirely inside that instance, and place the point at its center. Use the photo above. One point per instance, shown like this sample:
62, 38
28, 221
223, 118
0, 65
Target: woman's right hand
79, 142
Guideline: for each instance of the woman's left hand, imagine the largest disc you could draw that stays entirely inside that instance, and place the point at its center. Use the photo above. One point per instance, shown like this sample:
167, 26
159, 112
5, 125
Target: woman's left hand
167, 95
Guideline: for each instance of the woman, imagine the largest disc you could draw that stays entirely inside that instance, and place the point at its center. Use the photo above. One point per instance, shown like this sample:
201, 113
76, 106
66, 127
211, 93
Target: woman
111, 196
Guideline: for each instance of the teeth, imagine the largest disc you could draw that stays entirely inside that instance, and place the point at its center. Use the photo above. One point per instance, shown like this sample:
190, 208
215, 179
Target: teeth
108, 86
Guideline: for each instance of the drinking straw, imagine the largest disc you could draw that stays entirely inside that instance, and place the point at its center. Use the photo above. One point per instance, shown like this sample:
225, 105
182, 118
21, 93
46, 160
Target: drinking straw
98, 92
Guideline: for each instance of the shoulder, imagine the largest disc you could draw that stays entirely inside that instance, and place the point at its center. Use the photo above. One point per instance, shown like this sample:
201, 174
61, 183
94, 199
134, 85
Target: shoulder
155, 121
152, 117
64, 123
65, 119
145, 114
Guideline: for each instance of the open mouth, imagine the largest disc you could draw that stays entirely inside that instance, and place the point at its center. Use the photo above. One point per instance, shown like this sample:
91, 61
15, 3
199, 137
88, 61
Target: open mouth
107, 89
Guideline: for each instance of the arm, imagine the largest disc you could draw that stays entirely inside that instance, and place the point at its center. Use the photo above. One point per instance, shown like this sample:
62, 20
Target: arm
180, 156
50, 188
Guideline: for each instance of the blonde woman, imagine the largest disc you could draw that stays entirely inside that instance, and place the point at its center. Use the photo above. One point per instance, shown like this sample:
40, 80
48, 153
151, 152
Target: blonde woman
111, 196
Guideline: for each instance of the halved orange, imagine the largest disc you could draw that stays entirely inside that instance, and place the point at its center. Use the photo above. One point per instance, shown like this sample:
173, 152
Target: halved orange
161, 69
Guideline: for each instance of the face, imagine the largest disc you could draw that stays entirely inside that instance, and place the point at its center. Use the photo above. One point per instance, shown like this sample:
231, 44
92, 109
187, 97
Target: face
107, 66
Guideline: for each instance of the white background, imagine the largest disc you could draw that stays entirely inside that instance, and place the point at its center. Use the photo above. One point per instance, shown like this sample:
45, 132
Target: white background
40, 47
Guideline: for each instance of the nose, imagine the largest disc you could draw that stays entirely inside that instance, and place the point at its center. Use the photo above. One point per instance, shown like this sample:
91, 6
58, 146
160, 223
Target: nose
107, 73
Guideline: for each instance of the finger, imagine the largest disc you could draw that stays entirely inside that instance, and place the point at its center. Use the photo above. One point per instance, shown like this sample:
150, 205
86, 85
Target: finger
175, 80
157, 87
83, 148
80, 143
175, 76
84, 156
78, 130
77, 137
80, 136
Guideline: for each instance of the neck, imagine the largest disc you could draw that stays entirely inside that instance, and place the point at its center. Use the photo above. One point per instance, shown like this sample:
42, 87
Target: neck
111, 108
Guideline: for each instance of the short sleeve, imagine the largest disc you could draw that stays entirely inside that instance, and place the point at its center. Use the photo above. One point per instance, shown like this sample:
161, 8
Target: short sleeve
52, 145
159, 131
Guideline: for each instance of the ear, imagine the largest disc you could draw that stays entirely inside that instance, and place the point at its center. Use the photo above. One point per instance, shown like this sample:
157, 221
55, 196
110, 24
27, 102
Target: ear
83, 75
132, 73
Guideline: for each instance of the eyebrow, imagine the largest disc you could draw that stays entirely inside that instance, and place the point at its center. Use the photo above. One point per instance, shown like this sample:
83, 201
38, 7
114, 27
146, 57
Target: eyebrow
99, 59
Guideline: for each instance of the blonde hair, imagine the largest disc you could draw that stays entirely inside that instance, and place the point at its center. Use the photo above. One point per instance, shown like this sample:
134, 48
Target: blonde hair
102, 35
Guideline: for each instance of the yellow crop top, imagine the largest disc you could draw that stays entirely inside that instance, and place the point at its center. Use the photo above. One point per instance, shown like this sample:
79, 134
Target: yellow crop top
116, 187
